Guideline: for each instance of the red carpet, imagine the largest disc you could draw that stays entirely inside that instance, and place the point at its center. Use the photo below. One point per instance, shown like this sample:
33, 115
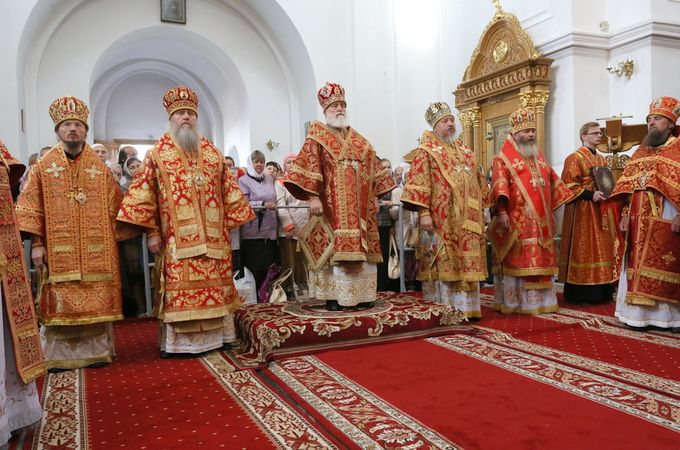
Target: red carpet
475, 395
143, 402
582, 332
571, 379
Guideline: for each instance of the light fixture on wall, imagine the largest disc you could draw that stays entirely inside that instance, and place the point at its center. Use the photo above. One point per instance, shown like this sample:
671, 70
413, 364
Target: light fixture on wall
623, 68
271, 145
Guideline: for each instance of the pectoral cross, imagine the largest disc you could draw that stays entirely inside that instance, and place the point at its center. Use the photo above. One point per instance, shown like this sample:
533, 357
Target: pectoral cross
644, 178
77, 195
536, 181
518, 164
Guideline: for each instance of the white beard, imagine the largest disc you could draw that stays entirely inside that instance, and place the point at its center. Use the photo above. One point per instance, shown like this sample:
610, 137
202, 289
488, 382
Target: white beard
187, 138
528, 150
338, 122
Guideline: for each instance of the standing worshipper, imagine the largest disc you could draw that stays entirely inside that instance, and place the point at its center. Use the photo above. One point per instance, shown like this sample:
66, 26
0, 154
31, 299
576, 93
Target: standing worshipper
293, 216
186, 199
649, 194
338, 172
69, 207
525, 191
23, 360
588, 230
258, 237
447, 188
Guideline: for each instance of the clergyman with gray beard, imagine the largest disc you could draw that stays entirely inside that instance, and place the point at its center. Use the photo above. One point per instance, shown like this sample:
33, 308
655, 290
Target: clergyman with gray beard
186, 199
525, 192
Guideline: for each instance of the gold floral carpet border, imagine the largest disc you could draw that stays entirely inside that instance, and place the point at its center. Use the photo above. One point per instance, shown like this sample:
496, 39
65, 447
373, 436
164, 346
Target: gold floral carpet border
366, 419
599, 323
64, 424
285, 427
635, 400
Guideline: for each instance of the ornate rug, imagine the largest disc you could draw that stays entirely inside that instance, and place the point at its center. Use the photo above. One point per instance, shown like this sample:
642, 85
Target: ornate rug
480, 391
267, 331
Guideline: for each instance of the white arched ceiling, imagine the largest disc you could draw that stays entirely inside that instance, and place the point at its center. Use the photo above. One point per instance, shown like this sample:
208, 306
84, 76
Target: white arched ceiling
246, 61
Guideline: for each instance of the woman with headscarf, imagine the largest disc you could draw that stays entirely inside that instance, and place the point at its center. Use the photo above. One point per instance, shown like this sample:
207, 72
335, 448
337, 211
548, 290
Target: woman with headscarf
259, 248
132, 272
129, 169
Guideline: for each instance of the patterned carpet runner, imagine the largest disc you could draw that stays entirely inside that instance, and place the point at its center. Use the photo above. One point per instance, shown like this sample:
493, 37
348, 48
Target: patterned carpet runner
575, 378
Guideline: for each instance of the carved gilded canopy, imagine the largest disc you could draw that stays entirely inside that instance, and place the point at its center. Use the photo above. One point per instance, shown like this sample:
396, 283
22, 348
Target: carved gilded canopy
505, 72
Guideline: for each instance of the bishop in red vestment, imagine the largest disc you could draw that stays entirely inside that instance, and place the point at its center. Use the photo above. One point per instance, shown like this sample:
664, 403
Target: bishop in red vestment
338, 172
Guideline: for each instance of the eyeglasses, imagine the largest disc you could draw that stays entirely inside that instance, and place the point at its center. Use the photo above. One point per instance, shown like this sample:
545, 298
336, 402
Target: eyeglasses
595, 133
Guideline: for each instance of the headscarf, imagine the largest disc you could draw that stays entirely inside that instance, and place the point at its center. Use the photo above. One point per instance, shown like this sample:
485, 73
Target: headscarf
251, 170
285, 161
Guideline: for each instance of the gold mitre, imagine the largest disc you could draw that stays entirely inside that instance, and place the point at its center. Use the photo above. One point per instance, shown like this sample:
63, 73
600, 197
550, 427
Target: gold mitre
668, 107
180, 97
69, 108
436, 112
522, 119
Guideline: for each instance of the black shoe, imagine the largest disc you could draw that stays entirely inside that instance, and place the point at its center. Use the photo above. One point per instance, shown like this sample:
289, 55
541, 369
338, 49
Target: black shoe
632, 328
165, 355
675, 330
332, 305
227, 346
56, 370
366, 305
474, 319
97, 365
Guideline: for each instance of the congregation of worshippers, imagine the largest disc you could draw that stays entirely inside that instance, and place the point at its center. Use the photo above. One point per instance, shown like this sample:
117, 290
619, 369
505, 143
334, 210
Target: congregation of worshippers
332, 222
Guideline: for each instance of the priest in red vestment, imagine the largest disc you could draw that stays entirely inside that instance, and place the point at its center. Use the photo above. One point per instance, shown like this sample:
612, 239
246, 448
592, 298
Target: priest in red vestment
188, 201
338, 172
589, 228
525, 191
68, 207
648, 193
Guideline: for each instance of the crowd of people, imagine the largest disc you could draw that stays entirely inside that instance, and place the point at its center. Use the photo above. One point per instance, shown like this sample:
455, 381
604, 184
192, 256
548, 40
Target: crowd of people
335, 202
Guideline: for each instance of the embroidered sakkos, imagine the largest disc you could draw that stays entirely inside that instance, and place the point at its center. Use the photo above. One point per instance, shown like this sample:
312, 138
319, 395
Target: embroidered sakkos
534, 191
650, 176
589, 228
72, 205
17, 296
343, 170
446, 180
193, 203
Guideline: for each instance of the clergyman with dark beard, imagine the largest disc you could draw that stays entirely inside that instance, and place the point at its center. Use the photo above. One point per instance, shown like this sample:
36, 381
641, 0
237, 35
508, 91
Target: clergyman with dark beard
187, 200
68, 208
648, 194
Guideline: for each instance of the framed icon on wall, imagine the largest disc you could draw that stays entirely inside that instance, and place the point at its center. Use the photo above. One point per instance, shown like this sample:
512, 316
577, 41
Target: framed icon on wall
174, 11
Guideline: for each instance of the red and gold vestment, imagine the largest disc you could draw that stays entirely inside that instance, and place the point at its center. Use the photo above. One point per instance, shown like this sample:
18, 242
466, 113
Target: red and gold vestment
343, 170
533, 191
446, 180
71, 206
588, 229
17, 296
650, 176
193, 202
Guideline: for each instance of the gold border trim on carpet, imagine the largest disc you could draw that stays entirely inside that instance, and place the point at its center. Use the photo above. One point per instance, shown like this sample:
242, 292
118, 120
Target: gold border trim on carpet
64, 421
354, 410
638, 402
284, 426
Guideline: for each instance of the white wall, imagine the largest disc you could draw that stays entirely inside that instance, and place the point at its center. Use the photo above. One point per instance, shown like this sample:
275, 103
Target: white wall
259, 63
